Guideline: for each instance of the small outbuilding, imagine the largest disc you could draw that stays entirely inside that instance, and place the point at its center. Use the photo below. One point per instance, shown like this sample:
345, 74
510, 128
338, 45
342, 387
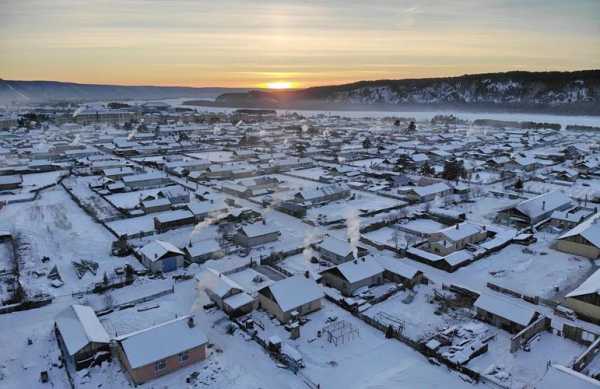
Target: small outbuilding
256, 234
81, 337
161, 256
504, 313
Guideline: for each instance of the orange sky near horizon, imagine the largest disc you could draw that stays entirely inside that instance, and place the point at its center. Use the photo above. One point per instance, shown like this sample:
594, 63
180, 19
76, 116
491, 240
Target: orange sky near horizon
235, 43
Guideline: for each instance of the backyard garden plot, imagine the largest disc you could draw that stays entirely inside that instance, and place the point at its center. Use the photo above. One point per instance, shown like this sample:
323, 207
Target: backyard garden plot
485, 177
55, 227
312, 174
533, 270
213, 156
420, 316
580, 189
484, 209
366, 163
79, 186
37, 180
522, 368
298, 264
365, 359
339, 210
7, 269
20, 362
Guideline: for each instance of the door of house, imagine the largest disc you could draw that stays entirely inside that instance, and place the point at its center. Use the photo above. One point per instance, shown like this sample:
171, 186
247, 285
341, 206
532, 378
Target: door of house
169, 264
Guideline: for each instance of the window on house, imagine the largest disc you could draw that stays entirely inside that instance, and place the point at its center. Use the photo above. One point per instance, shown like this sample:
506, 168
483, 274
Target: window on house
160, 365
183, 357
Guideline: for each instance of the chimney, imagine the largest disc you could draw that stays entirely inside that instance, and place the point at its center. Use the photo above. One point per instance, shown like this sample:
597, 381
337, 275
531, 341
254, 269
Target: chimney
190, 322
543, 205
457, 226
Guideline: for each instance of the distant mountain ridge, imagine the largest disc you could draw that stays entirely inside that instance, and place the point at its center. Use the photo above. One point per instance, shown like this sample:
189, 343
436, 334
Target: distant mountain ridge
44, 91
561, 92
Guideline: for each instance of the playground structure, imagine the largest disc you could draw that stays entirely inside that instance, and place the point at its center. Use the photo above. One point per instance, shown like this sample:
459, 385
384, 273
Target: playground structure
340, 332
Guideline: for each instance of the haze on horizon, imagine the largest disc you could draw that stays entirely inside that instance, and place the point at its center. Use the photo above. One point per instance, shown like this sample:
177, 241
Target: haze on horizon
284, 43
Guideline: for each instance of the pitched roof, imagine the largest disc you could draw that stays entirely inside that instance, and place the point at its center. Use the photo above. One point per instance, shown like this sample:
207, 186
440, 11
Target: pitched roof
161, 341
336, 246
292, 292
463, 231
359, 270
589, 230
543, 203
590, 286
431, 189
156, 249
398, 266
257, 229
80, 326
505, 308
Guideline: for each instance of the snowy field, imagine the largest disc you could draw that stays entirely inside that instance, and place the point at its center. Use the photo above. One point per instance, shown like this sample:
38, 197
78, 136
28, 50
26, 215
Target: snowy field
54, 226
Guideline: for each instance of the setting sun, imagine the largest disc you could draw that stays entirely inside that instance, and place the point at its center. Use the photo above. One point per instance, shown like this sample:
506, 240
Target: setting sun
279, 85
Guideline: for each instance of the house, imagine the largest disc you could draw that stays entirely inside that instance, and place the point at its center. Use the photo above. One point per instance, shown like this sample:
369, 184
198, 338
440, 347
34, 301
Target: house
454, 238
116, 173
350, 276
291, 297
81, 337
173, 219
161, 349
585, 299
228, 295
324, 194
202, 251
336, 250
176, 194
256, 235
207, 209
156, 205
583, 239
568, 219
11, 182
161, 256
428, 192
504, 313
536, 209
398, 271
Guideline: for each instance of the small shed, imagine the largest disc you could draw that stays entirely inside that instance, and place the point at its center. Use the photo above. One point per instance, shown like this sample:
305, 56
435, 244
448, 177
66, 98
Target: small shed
81, 337
161, 256
512, 316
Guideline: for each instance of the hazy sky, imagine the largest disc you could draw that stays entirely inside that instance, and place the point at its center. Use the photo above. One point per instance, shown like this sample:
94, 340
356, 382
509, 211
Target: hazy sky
250, 43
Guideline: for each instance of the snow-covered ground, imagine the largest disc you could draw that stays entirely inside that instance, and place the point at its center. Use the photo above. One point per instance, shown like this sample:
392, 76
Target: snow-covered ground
53, 226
